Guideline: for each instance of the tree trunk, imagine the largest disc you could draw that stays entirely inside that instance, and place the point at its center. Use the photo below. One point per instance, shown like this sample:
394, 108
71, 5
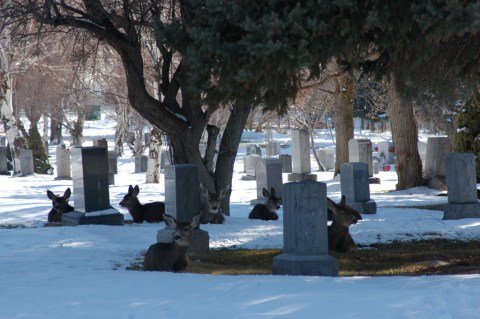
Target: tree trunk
343, 119
405, 139
55, 131
208, 158
6, 107
153, 166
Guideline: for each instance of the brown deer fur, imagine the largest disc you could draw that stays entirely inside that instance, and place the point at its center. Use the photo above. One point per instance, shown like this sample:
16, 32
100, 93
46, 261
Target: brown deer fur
172, 256
339, 238
60, 206
210, 205
267, 211
151, 212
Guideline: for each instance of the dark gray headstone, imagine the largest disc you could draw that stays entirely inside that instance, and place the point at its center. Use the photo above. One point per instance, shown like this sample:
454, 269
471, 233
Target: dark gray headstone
305, 232
165, 159
269, 174
3, 161
26, 162
3, 141
462, 187
286, 160
141, 163
63, 163
354, 184
90, 179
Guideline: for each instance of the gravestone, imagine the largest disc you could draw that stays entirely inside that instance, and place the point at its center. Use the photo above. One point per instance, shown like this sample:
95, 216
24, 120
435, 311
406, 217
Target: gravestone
100, 142
305, 232
254, 149
462, 187
327, 158
269, 174
112, 167
437, 149
3, 141
250, 165
301, 167
273, 148
90, 189
26, 162
3, 161
141, 163
182, 201
165, 159
286, 160
360, 150
354, 184
384, 149
63, 163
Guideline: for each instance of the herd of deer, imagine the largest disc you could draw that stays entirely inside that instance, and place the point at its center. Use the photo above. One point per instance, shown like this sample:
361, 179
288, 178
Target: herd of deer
173, 256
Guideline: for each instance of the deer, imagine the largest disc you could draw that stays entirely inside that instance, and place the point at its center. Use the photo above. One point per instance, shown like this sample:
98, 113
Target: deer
172, 256
210, 205
150, 212
267, 211
60, 205
342, 215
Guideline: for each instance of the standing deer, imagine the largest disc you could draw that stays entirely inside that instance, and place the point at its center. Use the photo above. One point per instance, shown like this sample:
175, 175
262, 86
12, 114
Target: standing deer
151, 212
60, 206
210, 205
172, 256
339, 238
267, 211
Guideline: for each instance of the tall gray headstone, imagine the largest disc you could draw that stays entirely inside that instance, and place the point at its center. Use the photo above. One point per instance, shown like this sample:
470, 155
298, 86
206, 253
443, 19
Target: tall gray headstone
327, 158
3, 161
437, 149
273, 148
269, 174
90, 189
354, 184
301, 167
63, 163
305, 232
462, 187
3, 141
360, 150
165, 159
182, 201
141, 163
250, 164
26, 162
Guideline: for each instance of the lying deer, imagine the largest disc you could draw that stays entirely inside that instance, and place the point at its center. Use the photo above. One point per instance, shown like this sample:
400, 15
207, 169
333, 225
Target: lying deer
151, 212
172, 256
210, 205
267, 211
60, 206
339, 238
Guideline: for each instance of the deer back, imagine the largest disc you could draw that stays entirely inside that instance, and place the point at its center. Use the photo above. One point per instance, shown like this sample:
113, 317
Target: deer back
210, 205
172, 256
151, 212
59, 205
267, 211
339, 238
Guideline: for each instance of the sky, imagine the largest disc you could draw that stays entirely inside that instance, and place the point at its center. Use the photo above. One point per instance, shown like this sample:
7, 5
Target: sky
80, 272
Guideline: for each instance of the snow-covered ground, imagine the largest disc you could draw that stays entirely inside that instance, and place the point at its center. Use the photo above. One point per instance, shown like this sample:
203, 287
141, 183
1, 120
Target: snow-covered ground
80, 272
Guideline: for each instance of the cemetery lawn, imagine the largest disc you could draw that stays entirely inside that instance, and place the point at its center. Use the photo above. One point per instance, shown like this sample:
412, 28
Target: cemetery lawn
398, 258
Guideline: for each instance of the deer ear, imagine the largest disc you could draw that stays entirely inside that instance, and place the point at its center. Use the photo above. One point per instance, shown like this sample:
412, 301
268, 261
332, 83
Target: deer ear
170, 221
343, 202
204, 190
136, 190
196, 220
67, 193
224, 192
273, 192
130, 189
265, 193
331, 204
50, 195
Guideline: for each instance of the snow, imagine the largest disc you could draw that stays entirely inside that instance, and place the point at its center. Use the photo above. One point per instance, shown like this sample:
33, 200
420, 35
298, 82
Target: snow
80, 272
